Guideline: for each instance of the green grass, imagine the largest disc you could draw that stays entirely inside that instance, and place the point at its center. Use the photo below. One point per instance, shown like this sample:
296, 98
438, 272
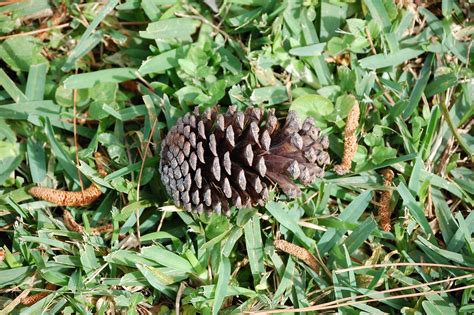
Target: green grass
410, 69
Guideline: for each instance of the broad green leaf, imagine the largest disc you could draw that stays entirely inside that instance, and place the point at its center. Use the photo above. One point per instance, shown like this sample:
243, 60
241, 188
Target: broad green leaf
164, 61
22, 52
269, 94
312, 105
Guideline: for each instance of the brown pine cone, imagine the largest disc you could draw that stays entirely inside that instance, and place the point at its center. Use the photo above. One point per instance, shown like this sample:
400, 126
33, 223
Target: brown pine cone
212, 161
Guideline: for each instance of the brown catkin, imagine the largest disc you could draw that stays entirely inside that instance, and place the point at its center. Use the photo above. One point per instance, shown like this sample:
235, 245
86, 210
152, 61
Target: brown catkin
298, 252
384, 202
350, 141
72, 225
72, 198
102, 229
32, 299
67, 198
100, 162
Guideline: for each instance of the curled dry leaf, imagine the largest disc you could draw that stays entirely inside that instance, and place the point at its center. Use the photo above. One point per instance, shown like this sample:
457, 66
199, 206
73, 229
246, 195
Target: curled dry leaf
299, 252
32, 299
384, 202
72, 225
72, 198
350, 141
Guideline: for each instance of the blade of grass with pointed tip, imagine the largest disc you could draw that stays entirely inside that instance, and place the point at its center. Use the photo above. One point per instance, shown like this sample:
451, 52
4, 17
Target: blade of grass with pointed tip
164, 61
419, 88
447, 224
414, 182
350, 214
430, 132
389, 60
36, 159
280, 212
88, 39
10, 87
360, 234
379, 14
463, 238
254, 245
158, 280
414, 208
89, 79
318, 63
285, 282
63, 157
427, 246
222, 284
166, 258
84, 46
36, 82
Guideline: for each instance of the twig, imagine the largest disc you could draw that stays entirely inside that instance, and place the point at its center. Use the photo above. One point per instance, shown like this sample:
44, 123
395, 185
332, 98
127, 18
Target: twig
152, 130
337, 303
403, 264
47, 29
76, 145
179, 295
452, 127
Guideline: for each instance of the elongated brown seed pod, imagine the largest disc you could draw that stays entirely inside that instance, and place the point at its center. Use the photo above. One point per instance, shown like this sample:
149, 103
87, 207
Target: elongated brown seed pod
32, 299
67, 198
213, 161
384, 201
72, 225
350, 140
297, 251
72, 198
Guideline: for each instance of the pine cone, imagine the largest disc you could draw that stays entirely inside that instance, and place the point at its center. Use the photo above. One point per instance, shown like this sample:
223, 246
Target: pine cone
213, 161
